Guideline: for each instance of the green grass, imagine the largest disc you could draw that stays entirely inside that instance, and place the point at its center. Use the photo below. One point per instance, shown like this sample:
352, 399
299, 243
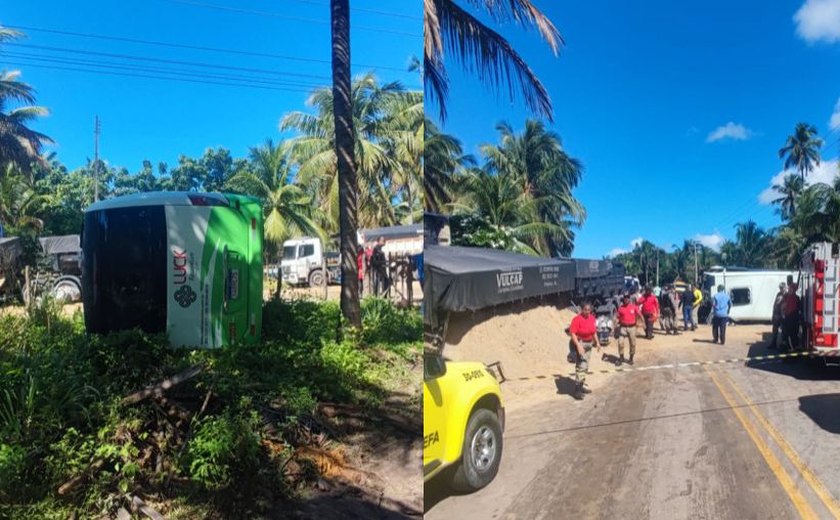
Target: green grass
61, 417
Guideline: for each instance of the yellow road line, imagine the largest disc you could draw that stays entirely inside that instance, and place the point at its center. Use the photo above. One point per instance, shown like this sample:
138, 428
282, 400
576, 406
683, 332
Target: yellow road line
799, 502
804, 470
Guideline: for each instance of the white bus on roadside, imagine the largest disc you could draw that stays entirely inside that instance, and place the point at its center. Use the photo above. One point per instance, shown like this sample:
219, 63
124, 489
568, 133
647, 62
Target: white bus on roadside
752, 290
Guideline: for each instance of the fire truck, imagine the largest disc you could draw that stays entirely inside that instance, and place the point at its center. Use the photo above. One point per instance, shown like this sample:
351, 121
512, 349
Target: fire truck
819, 281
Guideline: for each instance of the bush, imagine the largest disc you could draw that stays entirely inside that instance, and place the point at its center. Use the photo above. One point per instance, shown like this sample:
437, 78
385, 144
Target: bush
383, 323
12, 465
223, 448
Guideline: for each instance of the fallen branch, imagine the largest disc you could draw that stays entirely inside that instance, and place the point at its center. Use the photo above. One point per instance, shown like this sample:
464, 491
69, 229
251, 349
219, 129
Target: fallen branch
71, 484
137, 504
166, 384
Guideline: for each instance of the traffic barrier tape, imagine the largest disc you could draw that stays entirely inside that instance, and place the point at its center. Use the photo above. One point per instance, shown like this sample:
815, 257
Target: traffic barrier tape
769, 357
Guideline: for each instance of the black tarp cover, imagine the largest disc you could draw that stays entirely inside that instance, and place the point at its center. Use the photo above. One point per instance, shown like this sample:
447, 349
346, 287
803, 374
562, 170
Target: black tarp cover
467, 278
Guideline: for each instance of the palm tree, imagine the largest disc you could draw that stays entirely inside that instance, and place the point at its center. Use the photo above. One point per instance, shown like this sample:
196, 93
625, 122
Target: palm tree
752, 244
288, 209
443, 160
788, 192
402, 132
314, 150
20, 202
483, 51
19, 144
543, 170
498, 200
801, 151
345, 154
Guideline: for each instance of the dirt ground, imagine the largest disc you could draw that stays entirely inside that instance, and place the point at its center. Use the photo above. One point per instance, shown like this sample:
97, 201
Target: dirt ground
333, 292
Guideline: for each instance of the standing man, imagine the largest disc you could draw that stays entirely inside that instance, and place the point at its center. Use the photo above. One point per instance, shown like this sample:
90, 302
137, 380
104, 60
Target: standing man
791, 318
668, 306
378, 264
777, 316
582, 331
628, 313
360, 265
650, 309
687, 304
695, 307
721, 305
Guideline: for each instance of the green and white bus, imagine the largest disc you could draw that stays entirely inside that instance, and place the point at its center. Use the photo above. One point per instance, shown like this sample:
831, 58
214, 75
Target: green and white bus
187, 264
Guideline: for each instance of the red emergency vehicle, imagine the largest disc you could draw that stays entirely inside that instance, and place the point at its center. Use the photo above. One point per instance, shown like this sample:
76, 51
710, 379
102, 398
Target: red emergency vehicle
818, 287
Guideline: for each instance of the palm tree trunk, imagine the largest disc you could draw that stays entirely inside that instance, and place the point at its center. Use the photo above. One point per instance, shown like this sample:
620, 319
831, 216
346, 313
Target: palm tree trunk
347, 187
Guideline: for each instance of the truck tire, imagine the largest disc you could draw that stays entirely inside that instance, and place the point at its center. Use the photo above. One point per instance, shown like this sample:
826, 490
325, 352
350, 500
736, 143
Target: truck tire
66, 291
481, 453
316, 278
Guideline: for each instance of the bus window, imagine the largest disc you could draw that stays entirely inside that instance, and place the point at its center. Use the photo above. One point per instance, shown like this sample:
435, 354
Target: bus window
740, 296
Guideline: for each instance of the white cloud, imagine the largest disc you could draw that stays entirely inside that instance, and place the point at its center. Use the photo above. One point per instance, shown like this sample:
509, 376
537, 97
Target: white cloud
825, 172
818, 20
637, 241
712, 241
730, 130
614, 252
834, 122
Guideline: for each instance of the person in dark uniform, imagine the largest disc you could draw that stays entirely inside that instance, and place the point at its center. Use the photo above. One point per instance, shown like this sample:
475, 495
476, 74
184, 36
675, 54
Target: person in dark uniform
582, 331
379, 266
790, 318
777, 316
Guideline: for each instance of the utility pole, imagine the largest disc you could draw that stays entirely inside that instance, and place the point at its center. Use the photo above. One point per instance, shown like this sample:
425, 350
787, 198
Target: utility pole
96, 128
696, 270
657, 267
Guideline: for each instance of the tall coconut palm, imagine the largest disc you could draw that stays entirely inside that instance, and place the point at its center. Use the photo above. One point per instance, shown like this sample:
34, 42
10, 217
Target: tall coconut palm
443, 161
343, 129
314, 149
288, 209
402, 131
449, 28
19, 144
788, 192
543, 170
498, 200
801, 151
20, 203
752, 244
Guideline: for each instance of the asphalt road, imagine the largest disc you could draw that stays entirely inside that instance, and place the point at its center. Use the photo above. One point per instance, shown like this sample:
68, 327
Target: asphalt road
736, 440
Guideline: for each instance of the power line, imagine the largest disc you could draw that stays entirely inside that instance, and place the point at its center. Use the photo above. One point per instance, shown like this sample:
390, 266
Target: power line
162, 60
285, 17
128, 74
194, 47
140, 68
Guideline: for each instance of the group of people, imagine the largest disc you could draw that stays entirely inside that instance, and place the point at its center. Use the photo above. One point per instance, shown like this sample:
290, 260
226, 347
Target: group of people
648, 308
373, 262
787, 316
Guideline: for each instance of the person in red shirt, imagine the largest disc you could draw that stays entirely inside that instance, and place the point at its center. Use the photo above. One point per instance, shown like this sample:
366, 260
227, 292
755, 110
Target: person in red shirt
650, 310
627, 315
360, 265
582, 331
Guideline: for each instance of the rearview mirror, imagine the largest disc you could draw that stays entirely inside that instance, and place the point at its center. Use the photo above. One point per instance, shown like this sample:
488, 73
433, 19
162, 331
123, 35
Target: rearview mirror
434, 365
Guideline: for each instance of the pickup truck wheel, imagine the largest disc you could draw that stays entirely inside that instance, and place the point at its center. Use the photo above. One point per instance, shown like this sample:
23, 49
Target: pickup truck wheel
67, 291
482, 452
316, 278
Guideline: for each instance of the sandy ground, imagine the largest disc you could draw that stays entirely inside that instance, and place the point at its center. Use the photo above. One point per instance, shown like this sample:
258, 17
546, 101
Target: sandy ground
754, 439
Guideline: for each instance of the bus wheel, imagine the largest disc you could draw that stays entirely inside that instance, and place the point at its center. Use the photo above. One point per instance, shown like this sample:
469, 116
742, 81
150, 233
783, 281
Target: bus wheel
316, 278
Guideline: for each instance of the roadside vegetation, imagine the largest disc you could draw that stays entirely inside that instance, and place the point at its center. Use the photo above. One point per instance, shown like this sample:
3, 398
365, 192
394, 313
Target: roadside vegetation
241, 435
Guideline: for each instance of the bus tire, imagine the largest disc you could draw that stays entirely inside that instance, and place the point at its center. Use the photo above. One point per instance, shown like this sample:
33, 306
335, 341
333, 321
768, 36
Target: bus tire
316, 278
481, 453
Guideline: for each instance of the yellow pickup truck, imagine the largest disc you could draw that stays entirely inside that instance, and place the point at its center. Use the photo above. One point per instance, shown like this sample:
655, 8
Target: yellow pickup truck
463, 420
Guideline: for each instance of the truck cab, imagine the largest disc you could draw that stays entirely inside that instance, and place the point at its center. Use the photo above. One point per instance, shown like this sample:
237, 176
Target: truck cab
463, 421
303, 261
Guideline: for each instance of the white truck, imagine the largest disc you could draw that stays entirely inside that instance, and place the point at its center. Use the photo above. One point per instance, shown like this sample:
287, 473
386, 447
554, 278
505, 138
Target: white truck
303, 262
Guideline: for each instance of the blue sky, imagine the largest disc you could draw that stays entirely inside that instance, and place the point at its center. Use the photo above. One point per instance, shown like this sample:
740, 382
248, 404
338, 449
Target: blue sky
155, 119
677, 109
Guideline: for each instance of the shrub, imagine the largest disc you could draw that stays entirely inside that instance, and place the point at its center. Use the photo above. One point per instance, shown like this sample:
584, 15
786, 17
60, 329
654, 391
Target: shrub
383, 323
223, 448
12, 465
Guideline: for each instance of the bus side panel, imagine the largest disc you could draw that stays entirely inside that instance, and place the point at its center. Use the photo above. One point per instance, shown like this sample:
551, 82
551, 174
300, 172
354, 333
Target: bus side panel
190, 287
